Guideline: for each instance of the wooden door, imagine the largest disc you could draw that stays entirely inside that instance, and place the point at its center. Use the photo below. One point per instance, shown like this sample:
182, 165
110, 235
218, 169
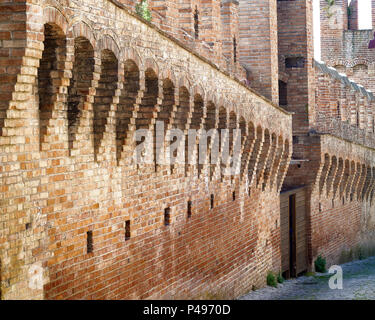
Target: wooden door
293, 232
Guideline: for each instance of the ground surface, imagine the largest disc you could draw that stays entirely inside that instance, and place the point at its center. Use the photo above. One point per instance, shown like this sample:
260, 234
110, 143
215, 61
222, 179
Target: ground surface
358, 284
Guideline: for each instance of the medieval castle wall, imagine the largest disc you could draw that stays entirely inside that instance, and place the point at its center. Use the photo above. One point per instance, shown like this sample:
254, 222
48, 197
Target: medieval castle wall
81, 218
67, 177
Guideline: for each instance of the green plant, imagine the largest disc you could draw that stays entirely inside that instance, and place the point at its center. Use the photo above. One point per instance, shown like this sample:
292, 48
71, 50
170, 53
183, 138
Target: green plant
320, 264
280, 278
143, 10
330, 3
271, 280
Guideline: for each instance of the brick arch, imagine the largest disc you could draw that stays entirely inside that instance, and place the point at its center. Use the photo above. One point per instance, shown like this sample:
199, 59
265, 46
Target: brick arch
269, 161
350, 179
345, 178
211, 96
222, 138
197, 120
168, 99
82, 28
254, 158
360, 65
104, 95
338, 177
108, 42
247, 147
198, 90
150, 63
80, 84
184, 82
331, 175
164, 114
284, 164
56, 16
167, 73
197, 116
241, 111
368, 183
210, 125
127, 104
232, 126
242, 126
277, 160
354, 188
348, 63
183, 108
132, 54
50, 74
340, 68
263, 157
362, 181
323, 174
357, 61
148, 103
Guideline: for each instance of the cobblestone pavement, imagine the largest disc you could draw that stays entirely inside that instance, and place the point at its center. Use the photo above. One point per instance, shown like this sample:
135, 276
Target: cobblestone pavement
358, 284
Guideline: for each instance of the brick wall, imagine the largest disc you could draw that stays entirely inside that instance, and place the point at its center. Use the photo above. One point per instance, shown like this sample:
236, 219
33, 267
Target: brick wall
345, 48
295, 43
353, 17
341, 197
67, 173
343, 108
333, 22
258, 45
178, 19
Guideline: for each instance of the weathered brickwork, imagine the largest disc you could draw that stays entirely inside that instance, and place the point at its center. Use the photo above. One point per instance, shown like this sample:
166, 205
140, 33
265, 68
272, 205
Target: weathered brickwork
343, 108
332, 133
344, 46
342, 198
81, 219
295, 45
89, 77
207, 27
258, 47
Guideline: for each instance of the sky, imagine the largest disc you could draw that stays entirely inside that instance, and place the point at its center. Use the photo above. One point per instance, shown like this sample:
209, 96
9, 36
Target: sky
364, 16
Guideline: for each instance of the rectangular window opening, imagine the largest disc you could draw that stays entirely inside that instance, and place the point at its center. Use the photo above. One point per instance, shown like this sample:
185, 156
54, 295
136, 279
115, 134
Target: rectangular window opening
189, 209
167, 216
295, 62
90, 246
127, 230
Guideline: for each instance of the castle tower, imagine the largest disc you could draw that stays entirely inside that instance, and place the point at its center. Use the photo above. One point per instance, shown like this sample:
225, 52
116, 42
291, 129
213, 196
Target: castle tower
258, 45
353, 15
296, 54
333, 23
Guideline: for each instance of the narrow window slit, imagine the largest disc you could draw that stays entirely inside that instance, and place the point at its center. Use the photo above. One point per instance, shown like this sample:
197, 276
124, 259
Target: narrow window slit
90, 246
127, 230
196, 23
167, 216
189, 209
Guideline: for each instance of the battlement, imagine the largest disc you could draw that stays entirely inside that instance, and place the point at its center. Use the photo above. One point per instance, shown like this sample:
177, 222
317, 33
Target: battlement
89, 221
137, 163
